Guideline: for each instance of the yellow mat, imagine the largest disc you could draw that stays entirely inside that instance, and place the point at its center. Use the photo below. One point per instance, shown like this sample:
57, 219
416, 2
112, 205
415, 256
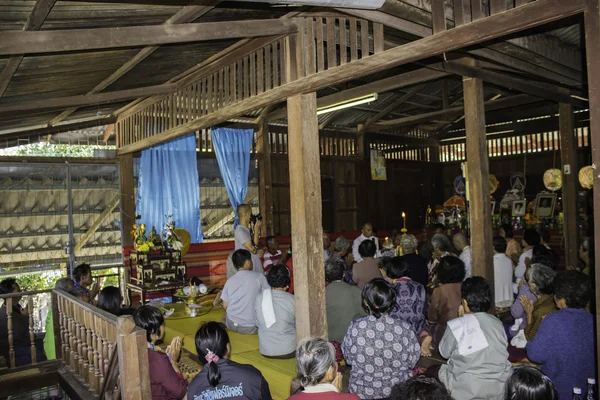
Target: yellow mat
244, 349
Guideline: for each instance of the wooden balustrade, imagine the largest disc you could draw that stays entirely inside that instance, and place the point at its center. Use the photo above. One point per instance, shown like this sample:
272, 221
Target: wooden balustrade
330, 42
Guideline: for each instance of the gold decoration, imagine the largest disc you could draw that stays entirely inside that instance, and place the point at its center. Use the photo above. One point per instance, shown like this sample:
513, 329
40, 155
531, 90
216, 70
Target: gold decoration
455, 201
586, 177
185, 238
553, 179
494, 184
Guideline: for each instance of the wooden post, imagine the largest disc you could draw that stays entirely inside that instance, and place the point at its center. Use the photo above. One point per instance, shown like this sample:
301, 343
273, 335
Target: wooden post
478, 181
569, 191
305, 205
265, 183
56, 319
127, 198
133, 360
592, 44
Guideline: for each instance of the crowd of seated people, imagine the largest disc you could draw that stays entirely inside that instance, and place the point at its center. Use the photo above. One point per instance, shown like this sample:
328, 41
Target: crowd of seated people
384, 316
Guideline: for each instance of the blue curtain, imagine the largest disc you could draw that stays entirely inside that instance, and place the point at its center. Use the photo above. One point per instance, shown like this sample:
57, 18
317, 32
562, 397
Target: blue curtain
168, 184
232, 148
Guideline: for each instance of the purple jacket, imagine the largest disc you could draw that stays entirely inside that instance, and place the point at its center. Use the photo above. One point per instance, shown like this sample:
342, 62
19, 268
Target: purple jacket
564, 345
166, 384
517, 308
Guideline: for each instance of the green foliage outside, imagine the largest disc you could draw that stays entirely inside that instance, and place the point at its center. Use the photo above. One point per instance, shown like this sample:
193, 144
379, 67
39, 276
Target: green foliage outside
43, 149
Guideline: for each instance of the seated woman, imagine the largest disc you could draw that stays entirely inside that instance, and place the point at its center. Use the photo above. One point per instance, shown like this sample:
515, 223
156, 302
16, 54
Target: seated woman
540, 279
441, 248
20, 328
446, 298
382, 350
276, 316
317, 372
529, 383
368, 268
410, 295
109, 300
166, 381
418, 266
220, 377
475, 346
564, 343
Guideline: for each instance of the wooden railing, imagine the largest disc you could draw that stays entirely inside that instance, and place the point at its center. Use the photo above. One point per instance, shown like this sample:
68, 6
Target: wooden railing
328, 42
87, 340
10, 300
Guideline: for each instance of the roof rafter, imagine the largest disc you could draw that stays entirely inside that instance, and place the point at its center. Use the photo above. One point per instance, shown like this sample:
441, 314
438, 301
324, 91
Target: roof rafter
185, 15
36, 18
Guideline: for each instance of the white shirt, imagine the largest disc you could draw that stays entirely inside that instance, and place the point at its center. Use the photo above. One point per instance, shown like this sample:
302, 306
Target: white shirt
358, 241
465, 257
503, 272
520, 270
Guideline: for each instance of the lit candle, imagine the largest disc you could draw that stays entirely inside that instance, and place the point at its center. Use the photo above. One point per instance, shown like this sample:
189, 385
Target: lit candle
404, 218
386, 243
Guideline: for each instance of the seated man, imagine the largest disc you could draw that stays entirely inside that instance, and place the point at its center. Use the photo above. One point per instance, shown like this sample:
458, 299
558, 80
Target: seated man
82, 275
245, 240
366, 234
240, 293
344, 301
273, 255
475, 346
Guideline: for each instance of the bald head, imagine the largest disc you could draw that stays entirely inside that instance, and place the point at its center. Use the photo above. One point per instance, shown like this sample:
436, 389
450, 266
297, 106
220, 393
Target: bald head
367, 229
460, 241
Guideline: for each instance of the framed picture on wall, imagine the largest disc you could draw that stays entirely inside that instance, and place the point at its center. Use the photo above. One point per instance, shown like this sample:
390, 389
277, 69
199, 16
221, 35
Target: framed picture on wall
519, 208
378, 170
544, 205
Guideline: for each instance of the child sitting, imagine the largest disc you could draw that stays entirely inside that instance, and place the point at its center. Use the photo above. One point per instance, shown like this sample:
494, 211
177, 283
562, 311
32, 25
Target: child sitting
83, 278
475, 346
166, 381
221, 378
240, 292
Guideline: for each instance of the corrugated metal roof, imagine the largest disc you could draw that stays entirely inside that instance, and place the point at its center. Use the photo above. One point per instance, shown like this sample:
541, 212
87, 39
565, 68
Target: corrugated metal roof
570, 35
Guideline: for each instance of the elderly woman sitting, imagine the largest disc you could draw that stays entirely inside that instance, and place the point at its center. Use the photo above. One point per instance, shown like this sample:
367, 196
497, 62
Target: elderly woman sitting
382, 350
540, 279
317, 371
418, 266
441, 248
564, 343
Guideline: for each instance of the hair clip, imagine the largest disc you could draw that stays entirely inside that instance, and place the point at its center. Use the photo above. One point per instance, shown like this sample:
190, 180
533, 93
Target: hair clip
211, 357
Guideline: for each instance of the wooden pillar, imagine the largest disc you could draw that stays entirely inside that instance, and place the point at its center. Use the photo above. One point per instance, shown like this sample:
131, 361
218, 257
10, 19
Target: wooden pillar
568, 156
480, 216
133, 360
305, 205
592, 42
127, 197
265, 181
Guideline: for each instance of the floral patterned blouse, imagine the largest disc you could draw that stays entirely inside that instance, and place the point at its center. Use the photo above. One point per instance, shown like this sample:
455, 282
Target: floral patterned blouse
382, 351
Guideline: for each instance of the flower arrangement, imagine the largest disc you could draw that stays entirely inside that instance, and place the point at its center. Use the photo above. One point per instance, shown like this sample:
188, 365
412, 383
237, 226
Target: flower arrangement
140, 241
173, 241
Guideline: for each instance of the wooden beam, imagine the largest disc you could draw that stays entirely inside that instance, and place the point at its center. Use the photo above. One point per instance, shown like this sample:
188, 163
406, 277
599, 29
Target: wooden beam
185, 15
506, 23
65, 127
305, 207
96, 224
568, 154
86, 100
380, 86
127, 198
14, 42
539, 89
592, 44
478, 179
454, 112
387, 110
133, 360
36, 18
438, 16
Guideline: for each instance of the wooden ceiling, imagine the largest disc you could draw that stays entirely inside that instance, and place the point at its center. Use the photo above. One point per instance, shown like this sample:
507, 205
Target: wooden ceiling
548, 58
